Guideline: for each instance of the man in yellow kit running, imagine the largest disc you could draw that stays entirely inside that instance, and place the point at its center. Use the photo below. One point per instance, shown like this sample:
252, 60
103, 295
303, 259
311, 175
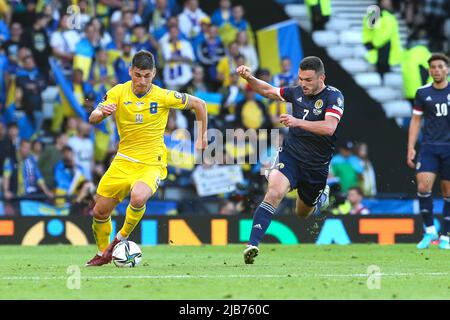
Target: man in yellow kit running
141, 110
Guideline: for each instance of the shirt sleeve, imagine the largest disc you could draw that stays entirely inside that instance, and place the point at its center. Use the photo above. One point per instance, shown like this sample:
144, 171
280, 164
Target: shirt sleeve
335, 106
418, 104
286, 93
176, 100
111, 97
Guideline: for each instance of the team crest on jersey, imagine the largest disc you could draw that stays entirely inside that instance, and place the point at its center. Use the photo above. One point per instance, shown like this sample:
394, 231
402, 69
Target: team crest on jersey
318, 104
178, 95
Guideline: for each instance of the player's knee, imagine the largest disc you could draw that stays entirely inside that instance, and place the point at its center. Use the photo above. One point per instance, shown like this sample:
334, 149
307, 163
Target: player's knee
274, 196
100, 213
138, 200
423, 188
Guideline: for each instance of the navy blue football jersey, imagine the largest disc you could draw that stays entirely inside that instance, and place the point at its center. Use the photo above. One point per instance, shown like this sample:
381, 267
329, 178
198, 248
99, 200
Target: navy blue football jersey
312, 150
433, 105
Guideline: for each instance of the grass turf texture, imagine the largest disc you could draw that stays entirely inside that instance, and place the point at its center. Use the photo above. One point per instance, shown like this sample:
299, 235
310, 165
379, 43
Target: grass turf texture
218, 272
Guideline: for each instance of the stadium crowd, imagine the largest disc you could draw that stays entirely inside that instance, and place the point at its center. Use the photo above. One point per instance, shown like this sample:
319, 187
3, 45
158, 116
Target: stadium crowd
56, 155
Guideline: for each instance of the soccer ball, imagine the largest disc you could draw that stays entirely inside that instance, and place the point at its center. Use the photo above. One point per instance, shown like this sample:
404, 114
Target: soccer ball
126, 254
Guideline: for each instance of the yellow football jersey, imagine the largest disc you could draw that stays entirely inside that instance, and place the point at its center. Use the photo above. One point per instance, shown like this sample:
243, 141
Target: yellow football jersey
141, 121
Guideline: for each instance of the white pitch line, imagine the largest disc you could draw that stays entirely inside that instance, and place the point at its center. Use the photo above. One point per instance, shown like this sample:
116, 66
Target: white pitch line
355, 275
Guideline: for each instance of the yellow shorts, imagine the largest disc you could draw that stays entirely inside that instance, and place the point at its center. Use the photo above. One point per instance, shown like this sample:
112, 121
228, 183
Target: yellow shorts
122, 175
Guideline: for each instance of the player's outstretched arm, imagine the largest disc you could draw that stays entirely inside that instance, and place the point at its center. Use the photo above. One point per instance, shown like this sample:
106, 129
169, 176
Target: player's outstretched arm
201, 117
101, 112
413, 134
325, 127
262, 87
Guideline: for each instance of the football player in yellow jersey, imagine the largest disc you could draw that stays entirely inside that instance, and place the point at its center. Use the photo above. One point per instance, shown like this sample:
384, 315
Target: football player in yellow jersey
141, 110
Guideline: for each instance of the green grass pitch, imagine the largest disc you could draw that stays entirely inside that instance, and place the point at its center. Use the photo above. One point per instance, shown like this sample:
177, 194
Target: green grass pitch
218, 272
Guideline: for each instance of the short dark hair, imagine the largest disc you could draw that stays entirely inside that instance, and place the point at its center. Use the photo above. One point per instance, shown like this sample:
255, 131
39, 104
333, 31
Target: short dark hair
358, 190
312, 63
143, 60
439, 56
67, 149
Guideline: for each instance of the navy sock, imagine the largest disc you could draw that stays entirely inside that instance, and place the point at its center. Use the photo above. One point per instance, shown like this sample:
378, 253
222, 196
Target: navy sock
426, 208
261, 221
446, 213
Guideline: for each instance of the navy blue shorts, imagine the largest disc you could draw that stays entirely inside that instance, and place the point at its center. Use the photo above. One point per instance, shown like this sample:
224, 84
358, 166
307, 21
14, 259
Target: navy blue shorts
436, 159
309, 183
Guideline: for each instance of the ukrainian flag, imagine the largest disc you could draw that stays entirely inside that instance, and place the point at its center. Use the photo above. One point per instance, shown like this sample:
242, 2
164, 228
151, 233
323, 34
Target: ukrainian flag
84, 53
278, 41
213, 101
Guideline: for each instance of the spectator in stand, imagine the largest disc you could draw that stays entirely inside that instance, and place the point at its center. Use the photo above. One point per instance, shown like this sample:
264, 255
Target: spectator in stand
222, 14
382, 39
37, 40
247, 50
355, 197
80, 87
26, 17
22, 176
10, 146
49, 158
85, 49
143, 40
86, 12
36, 149
70, 180
4, 144
30, 82
71, 127
319, 12
368, 182
435, 13
159, 19
251, 113
228, 63
104, 37
209, 52
229, 31
126, 16
178, 55
63, 43
123, 62
286, 78
347, 167
12, 45
227, 208
115, 47
83, 148
231, 96
189, 19
102, 76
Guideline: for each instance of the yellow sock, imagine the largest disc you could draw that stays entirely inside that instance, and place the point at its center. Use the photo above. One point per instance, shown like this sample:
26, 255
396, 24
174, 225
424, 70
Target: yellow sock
134, 215
102, 230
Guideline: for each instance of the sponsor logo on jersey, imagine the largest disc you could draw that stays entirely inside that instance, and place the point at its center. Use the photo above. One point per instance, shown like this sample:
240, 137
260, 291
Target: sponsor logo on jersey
300, 99
126, 103
428, 99
318, 104
139, 104
448, 97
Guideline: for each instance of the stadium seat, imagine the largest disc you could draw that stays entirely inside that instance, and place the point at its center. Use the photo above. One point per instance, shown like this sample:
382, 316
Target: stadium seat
359, 51
340, 52
392, 79
384, 94
325, 38
350, 37
337, 25
397, 108
368, 79
356, 65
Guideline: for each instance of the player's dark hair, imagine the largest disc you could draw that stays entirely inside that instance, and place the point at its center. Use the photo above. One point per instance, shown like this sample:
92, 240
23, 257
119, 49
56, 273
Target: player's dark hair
439, 56
143, 60
312, 63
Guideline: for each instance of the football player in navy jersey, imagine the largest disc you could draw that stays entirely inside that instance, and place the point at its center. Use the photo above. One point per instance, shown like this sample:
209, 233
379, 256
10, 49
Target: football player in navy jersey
431, 103
304, 158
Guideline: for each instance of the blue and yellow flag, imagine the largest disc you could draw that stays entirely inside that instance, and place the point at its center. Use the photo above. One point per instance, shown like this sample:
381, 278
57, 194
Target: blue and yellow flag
278, 41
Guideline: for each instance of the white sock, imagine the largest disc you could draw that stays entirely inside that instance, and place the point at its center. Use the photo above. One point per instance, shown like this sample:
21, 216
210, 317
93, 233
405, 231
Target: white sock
120, 237
100, 253
431, 230
445, 238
